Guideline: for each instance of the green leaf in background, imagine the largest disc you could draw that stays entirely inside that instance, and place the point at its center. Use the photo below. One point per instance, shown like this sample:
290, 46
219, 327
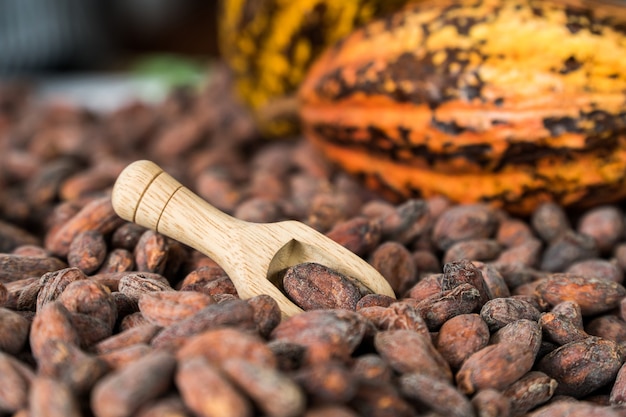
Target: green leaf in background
172, 70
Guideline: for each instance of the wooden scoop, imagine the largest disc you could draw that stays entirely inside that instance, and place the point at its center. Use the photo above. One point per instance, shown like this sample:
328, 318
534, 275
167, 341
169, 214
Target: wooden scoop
252, 254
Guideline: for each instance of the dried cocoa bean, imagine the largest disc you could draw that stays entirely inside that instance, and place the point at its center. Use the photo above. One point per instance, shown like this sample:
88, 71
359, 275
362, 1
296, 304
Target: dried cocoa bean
326, 334
13, 330
605, 224
475, 249
396, 317
498, 365
122, 392
608, 327
313, 286
207, 392
67, 363
499, 312
167, 307
491, 403
395, 263
151, 252
464, 271
568, 248
408, 352
266, 313
529, 391
274, 393
15, 380
235, 313
96, 215
550, 221
437, 309
219, 345
118, 260
18, 267
599, 268
49, 397
564, 324
329, 382
460, 337
582, 366
54, 283
134, 285
372, 367
124, 356
458, 223
87, 251
593, 295
359, 234
438, 395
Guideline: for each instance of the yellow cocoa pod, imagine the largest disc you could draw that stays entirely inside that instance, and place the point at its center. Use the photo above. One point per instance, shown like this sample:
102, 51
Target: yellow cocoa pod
270, 44
513, 102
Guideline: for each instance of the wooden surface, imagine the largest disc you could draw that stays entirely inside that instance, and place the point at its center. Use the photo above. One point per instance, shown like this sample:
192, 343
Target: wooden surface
252, 254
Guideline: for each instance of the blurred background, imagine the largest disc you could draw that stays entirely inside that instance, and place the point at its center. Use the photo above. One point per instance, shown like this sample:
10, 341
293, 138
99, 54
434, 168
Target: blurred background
98, 52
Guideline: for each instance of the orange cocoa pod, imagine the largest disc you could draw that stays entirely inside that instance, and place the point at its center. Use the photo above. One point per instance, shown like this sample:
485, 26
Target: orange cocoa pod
453, 98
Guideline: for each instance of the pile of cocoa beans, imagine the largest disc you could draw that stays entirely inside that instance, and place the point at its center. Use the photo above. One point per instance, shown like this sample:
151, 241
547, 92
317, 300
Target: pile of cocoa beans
495, 315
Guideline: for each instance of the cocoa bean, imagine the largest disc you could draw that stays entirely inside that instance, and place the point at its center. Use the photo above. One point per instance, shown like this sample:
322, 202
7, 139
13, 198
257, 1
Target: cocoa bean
582, 366
122, 392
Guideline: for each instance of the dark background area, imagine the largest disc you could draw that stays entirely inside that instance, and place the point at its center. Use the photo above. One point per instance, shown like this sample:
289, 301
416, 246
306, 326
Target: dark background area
58, 36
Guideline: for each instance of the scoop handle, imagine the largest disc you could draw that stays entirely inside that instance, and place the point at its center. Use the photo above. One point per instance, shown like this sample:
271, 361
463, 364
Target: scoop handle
144, 194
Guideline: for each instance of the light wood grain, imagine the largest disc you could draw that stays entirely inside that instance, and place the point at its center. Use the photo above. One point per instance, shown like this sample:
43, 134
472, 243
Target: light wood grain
252, 254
